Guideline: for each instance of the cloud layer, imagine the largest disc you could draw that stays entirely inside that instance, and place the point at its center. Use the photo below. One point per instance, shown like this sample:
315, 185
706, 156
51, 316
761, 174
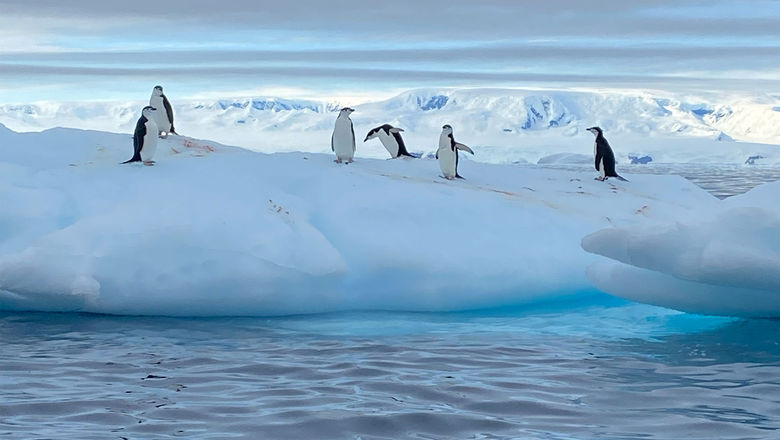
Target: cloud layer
53, 49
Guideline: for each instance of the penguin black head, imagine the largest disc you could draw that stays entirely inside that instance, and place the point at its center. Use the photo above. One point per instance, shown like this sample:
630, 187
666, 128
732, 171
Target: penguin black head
158, 88
347, 110
447, 128
596, 130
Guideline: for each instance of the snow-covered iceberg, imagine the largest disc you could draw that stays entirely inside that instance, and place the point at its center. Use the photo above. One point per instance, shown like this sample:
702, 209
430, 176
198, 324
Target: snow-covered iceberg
217, 230
723, 263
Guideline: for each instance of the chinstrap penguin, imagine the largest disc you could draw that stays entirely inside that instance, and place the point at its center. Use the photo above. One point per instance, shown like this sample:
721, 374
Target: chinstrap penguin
604, 157
447, 154
164, 118
391, 139
145, 137
342, 142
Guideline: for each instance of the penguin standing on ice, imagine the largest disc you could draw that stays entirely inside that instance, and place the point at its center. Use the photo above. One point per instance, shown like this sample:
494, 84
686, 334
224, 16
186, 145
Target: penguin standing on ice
164, 118
605, 158
448, 153
145, 137
391, 139
342, 142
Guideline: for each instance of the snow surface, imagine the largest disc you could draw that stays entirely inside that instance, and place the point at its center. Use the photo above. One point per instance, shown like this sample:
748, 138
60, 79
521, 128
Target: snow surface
725, 262
508, 125
216, 230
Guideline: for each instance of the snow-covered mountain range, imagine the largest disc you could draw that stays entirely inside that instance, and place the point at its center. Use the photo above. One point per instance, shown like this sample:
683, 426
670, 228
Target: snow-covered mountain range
508, 124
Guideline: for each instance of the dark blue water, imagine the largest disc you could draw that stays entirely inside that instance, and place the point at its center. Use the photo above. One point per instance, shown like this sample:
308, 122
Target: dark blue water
611, 370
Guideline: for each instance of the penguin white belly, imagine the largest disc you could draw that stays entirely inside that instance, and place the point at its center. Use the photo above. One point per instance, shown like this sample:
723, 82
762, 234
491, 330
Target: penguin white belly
389, 142
447, 162
161, 115
150, 142
343, 140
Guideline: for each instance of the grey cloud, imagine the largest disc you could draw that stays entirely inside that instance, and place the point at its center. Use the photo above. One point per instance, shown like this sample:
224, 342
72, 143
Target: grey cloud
488, 19
369, 76
516, 52
613, 43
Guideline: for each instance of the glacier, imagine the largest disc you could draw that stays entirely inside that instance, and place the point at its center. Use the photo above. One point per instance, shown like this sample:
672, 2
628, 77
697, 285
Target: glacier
215, 230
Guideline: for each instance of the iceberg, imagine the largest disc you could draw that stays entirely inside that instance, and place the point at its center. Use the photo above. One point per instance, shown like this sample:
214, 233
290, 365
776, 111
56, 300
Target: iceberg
214, 230
721, 263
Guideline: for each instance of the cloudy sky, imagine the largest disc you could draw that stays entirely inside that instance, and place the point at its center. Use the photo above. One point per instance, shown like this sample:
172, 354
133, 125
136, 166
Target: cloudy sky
112, 50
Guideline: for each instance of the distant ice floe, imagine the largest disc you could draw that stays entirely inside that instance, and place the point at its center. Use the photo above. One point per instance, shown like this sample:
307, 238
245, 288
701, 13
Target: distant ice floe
566, 158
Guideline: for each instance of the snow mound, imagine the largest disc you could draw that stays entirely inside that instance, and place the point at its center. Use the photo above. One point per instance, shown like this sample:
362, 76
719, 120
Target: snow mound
726, 265
566, 158
213, 230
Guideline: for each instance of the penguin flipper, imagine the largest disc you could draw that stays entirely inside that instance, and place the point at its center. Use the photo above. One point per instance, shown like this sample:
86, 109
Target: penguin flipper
332, 147
460, 146
352, 129
599, 157
168, 111
138, 138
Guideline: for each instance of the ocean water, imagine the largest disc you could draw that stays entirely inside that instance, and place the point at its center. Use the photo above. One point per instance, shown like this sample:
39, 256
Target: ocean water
607, 370
721, 180
598, 368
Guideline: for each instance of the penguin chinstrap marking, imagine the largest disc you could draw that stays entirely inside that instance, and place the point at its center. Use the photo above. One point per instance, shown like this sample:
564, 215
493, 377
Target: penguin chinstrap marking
342, 142
447, 154
391, 139
164, 119
604, 157
145, 137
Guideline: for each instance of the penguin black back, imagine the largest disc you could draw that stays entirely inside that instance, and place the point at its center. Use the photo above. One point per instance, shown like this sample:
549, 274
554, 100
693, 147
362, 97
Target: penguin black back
138, 139
604, 156
168, 111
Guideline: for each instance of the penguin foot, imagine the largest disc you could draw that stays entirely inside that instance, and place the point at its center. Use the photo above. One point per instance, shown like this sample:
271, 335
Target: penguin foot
148, 163
350, 161
600, 179
337, 161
